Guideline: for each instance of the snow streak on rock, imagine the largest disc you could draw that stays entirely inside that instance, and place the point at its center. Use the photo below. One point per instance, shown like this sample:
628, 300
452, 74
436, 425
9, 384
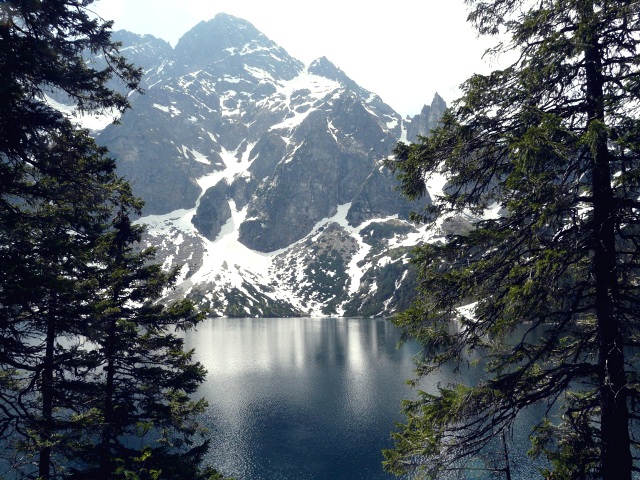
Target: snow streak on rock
263, 178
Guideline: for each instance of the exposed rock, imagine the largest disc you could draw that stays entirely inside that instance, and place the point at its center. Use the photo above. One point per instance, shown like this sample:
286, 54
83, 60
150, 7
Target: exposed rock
295, 156
322, 260
269, 150
242, 189
378, 197
230, 45
213, 211
427, 120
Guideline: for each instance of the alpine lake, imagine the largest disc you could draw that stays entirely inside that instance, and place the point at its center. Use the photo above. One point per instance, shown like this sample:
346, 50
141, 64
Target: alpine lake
310, 398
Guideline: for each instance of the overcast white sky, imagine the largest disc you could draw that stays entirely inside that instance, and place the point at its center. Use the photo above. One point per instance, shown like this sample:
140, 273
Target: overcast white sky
403, 50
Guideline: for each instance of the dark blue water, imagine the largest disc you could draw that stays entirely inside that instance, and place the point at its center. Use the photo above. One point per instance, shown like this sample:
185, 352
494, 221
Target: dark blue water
302, 398
314, 399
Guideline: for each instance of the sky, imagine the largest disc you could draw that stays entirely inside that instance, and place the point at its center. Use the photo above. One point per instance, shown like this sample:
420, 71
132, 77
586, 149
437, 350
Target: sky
403, 50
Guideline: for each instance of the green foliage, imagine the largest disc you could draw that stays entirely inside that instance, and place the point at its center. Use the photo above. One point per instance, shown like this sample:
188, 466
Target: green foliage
163, 465
141, 379
552, 139
89, 361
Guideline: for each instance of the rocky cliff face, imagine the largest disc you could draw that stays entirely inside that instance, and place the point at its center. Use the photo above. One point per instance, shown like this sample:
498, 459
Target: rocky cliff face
263, 177
427, 120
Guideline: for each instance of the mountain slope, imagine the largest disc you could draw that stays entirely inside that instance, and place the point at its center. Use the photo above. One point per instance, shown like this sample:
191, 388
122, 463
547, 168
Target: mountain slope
264, 178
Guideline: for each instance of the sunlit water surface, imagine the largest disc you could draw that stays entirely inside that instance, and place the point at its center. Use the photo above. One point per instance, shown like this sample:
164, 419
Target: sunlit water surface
302, 398
306, 398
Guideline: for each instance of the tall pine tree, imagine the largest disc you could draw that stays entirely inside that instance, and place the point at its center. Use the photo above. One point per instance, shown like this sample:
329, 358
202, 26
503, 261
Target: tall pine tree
138, 401
56, 191
50, 227
87, 361
553, 141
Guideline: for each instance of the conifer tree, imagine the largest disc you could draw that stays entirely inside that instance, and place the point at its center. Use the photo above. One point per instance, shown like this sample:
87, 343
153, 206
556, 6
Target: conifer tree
48, 241
86, 355
139, 403
57, 188
553, 141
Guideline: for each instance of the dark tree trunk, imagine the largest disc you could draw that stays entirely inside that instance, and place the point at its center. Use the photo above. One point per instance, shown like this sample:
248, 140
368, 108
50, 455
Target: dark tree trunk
44, 460
616, 461
107, 429
123, 229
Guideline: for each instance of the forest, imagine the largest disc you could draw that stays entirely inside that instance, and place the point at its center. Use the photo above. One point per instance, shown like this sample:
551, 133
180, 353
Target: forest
89, 360
551, 139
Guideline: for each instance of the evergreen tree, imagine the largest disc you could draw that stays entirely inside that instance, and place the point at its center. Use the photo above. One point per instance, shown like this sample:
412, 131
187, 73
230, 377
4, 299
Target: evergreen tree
553, 141
56, 191
86, 356
139, 403
47, 247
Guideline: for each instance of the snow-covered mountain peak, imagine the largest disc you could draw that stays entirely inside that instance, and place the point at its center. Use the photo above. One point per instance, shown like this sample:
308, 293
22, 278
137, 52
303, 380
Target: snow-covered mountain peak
325, 68
235, 43
222, 32
262, 177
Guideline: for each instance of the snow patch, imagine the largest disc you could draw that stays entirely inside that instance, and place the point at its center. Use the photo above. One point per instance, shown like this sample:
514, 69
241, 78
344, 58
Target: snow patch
404, 134
468, 311
230, 79
197, 156
91, 121
435, 185
258, 73
384, 261
333, 131
173, 111
164, 225
291, 122
161, 107
493, 212
353, 270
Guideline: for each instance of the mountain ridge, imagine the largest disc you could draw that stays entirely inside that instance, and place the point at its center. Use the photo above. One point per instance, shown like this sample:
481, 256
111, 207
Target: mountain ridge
264, 177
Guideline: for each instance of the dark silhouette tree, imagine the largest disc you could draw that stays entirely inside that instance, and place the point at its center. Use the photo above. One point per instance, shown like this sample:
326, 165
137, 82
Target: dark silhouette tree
138, 400
57, 189
86, 354
553, 141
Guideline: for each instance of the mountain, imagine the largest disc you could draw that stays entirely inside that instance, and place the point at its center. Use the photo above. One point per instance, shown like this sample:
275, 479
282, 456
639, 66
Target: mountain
263, 177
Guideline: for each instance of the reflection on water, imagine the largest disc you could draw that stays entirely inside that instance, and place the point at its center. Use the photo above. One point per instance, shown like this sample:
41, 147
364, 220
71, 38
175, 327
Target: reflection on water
302, 398
316, 399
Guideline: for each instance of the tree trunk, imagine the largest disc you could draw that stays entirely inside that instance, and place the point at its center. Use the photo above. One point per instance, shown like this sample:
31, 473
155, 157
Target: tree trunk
615, 456
107, 429
106, 462
44, 460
